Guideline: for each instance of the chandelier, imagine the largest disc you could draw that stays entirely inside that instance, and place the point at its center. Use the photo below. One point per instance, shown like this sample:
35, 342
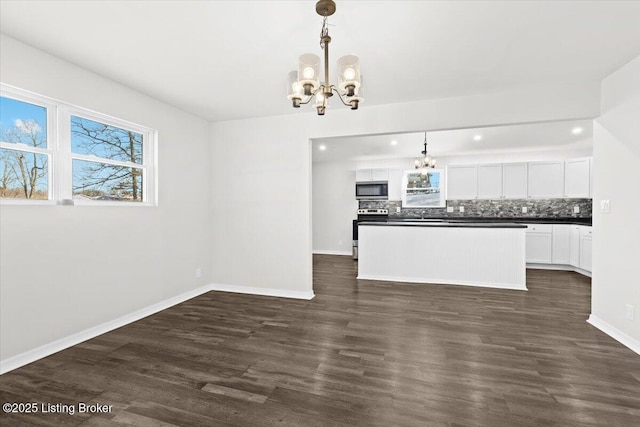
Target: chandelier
425, 161
304, 84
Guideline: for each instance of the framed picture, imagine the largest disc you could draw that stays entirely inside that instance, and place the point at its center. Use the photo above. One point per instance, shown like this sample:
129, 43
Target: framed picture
423, 188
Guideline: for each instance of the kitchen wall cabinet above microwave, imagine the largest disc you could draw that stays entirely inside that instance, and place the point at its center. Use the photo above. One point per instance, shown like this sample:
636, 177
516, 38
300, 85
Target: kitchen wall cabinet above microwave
551, 179
366, 175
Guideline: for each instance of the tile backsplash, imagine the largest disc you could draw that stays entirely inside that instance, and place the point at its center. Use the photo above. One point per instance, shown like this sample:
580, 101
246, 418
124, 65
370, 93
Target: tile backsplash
536, 208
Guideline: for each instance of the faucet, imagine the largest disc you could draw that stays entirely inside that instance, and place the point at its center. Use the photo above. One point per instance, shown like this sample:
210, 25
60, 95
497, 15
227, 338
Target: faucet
422, 214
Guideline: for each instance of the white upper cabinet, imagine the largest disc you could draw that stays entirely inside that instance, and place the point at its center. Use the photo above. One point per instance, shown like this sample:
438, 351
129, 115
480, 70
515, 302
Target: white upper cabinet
379, 174
514, 180
462, 182
546, 179
363, 175
490, 181
395, 184
577, 179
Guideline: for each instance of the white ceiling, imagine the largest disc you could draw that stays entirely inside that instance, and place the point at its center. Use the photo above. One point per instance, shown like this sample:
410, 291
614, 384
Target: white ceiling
496, 139
229, 59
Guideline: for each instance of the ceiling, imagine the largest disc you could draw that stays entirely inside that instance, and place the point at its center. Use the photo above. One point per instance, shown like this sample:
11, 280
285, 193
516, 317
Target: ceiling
502, 139
229, 59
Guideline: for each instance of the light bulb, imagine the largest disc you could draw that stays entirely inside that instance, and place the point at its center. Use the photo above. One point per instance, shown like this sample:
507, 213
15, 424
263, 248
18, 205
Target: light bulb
319, 97
349, 74
308, 73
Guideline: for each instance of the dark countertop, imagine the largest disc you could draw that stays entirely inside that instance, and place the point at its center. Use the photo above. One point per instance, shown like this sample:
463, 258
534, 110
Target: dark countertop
438, 223
517, 220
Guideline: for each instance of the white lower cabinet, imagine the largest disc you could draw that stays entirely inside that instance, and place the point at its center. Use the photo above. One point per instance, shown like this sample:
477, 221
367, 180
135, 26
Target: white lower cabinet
559, 244
585, 248
574, 245
539, 243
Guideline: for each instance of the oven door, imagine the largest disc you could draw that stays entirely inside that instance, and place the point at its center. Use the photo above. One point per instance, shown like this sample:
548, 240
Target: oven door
372, 190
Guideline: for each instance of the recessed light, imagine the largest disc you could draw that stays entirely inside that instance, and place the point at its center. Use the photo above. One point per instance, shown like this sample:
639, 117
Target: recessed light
322, 147
576, 131
477, 137
394, 142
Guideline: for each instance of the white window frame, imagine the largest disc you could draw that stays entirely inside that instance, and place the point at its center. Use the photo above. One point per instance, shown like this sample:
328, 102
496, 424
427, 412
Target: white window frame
50, 150
60, 163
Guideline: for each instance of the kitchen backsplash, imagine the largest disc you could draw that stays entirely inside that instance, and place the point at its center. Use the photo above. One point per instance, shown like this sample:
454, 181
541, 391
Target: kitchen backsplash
536, 208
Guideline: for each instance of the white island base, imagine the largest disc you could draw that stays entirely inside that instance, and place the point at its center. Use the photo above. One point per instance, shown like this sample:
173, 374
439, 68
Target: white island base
488, 255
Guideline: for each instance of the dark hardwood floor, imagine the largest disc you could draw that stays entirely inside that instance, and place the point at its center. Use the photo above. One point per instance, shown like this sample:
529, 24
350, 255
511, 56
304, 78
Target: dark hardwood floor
361, 353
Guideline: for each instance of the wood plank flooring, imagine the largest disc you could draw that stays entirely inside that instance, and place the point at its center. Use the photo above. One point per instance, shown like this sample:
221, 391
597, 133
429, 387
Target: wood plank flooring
361, 353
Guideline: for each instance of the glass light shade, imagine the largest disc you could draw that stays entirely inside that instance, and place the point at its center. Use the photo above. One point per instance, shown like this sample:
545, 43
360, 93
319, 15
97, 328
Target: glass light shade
349, 79
309, 71
294, 88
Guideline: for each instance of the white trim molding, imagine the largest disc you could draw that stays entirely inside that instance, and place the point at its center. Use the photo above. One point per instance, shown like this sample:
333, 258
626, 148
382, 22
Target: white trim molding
558, 267
329, 252
270, 292
624, 339
69, 341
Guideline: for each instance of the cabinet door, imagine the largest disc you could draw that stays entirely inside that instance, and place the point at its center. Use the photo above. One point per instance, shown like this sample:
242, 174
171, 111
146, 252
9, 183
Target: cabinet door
546, 179
462, 182
489, 181
514, 180
574, 246
561, 253
577, 177
395, 184
539, 243
585, 248
379, 174
363, 175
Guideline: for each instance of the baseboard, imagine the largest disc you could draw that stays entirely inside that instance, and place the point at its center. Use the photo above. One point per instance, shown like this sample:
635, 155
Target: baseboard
270, 292
515, 287
323, 252
63, 343
624, 339
560, 267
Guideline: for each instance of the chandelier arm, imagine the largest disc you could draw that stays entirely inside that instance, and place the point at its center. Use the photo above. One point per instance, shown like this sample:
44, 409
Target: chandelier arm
340, 96
311, 96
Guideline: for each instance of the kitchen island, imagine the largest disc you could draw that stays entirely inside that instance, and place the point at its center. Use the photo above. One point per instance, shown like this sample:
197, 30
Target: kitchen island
460, 253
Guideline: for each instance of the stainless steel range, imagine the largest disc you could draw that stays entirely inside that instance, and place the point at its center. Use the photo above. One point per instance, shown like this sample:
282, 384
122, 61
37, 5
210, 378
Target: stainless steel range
363, 216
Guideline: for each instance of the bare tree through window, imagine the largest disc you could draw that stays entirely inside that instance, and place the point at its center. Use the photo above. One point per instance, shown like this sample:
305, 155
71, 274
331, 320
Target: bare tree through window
101, 180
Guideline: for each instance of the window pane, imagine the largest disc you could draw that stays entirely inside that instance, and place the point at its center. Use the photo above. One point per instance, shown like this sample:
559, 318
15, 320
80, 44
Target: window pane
21, 122
24, 175
106, 141
100, 181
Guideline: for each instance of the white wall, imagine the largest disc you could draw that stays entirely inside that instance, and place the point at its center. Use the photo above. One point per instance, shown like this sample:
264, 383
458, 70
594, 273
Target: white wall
69, 268
262, 172
616, 240
334, 203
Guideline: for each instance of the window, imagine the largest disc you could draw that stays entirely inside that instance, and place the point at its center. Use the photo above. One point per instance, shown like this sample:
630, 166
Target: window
25, 157
92, 158
423, 189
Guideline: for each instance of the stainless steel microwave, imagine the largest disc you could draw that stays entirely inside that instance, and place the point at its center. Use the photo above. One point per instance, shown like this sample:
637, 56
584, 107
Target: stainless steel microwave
372, 190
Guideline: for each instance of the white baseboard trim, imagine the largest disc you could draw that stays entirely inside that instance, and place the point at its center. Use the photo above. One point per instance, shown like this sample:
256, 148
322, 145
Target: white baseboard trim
324, 252
561, 267
69, 341
516, 287
270, 292
615, 333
